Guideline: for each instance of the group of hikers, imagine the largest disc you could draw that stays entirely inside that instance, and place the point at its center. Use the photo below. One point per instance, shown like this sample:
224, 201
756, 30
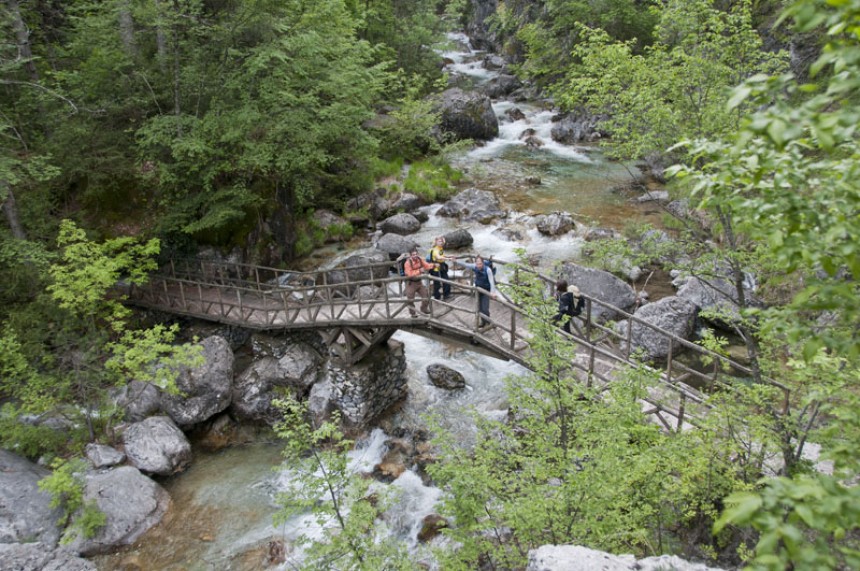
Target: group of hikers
436, 264
570, 300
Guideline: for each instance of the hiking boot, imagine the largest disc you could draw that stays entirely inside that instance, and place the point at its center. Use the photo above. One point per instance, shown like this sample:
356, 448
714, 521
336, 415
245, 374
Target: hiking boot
425, 309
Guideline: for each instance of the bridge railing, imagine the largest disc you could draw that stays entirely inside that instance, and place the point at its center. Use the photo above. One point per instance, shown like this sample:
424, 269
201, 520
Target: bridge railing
262, 297
713, 371
338, 296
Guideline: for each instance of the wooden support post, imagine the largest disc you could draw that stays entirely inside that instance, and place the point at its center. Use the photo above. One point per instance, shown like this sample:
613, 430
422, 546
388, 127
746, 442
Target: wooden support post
669, 359
590, 366
681, 407
588, 320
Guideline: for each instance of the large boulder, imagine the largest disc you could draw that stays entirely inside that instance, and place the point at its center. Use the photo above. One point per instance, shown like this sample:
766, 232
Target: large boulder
467, 115
402, 224
502, 85
131, 502
206, 390
373, 203
25, 510
602, 286
139, 399
358, 270
394, 245
156, 446
715, 292
322, 402
555, 223
406, 202
579, 127
672, 314
268, 377
41, 557
473, 204
577, 558
460, 238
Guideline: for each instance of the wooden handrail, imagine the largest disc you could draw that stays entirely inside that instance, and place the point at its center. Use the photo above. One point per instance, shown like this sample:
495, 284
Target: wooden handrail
322, 297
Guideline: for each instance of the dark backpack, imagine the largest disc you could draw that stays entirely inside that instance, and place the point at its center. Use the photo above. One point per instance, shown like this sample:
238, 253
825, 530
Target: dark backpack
401, 267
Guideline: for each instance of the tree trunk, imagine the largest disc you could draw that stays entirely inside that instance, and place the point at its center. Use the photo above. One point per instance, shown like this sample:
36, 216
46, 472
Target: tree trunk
160, 40
177, 108
10, 210
126, 29
22, 39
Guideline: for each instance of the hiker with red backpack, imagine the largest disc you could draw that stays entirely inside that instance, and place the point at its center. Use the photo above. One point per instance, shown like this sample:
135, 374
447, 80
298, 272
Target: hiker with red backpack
413, 266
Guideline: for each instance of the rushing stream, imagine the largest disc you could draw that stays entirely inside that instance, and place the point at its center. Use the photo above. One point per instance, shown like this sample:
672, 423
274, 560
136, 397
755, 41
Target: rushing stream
223, 505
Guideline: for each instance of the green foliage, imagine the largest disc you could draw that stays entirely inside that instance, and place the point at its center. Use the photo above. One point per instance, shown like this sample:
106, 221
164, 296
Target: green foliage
789, 179
408, 132
63, 352
643, 247
431, 180
574, 464
30, 440
549, 30
810, 521
676, 88
339, 500
86, 272
66, 486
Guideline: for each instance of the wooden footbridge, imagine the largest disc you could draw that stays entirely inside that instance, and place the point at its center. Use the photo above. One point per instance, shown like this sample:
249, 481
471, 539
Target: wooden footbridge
358, 307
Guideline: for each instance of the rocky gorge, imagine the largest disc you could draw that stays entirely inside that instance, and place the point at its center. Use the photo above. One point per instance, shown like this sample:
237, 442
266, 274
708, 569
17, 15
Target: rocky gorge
227, 397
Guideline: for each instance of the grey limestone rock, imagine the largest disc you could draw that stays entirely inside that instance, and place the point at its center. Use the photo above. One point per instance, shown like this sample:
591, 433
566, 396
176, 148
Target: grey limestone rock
394, 244
207, 389
155, 445
467, 115
25, 511
577, 558
297, 369
41, 557
101, 456
457, 239
672, 314
600, 285
554, 224
131, 502
402, 224
473, 204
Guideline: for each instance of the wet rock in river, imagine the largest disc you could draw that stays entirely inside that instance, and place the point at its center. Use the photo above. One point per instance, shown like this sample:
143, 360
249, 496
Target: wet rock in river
131, 503
554, 224
445, 377
473, 204
155, 445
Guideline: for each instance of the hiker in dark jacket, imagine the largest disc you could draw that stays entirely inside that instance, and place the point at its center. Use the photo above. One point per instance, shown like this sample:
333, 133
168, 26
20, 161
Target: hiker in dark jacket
484, 280
570, 304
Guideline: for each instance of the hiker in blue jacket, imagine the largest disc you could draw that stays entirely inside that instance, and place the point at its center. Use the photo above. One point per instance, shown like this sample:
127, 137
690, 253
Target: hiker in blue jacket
484, 280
